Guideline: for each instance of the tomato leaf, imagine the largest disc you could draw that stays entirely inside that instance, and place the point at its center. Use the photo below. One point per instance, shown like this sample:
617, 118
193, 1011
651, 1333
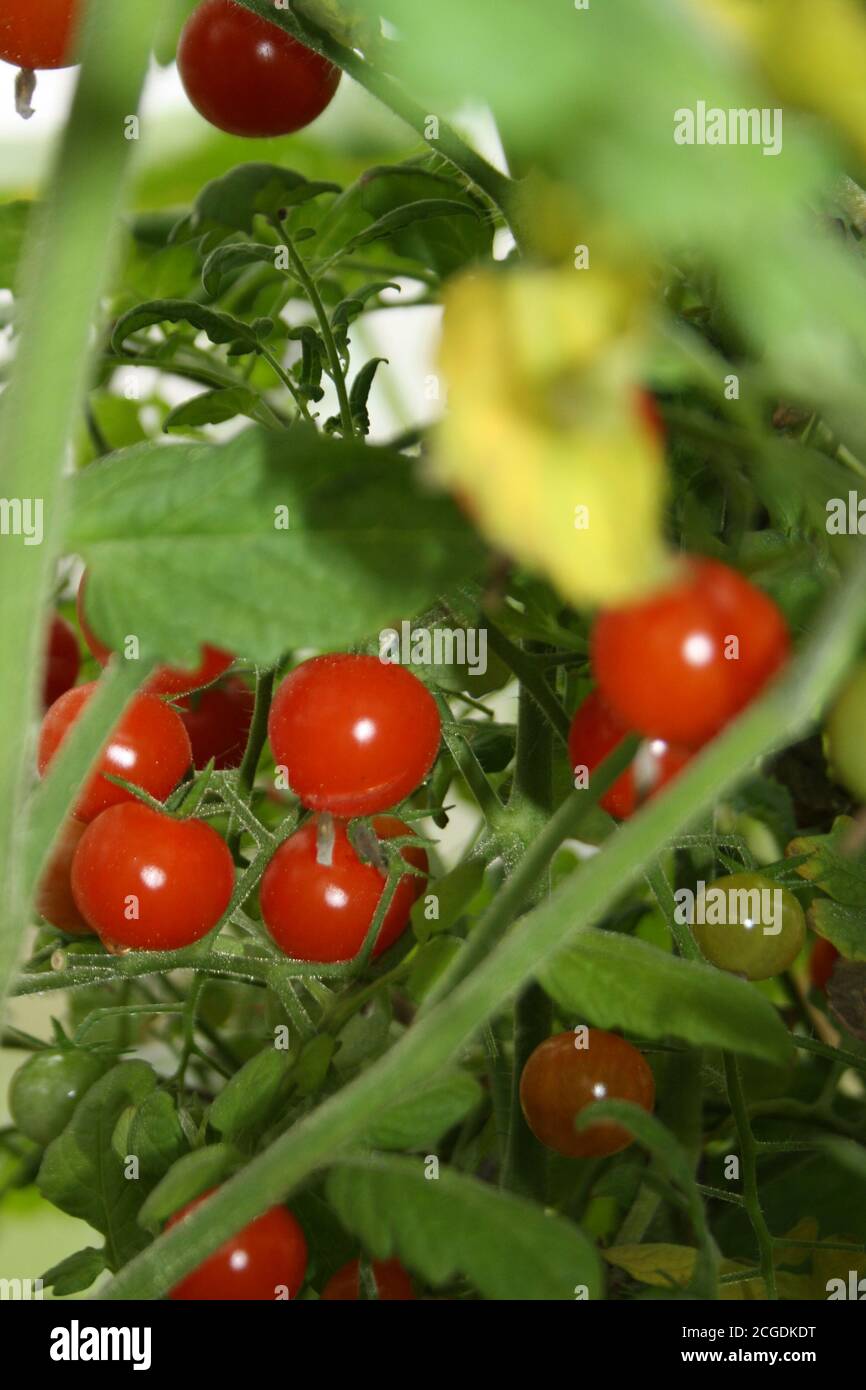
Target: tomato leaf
76, 1273
233, 201
247, 1100
234, 256
339, 536
219, 327
508, 1247
155, 1135
213, 407
82, 1175
425, 1116
616, 981
186, 1180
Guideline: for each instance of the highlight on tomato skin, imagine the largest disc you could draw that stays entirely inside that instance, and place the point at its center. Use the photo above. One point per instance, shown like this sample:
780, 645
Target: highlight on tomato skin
322, 911
594, 734
249, 77
178, 874
680, 664
266, 1260
356, 735
148, 747
570, 1071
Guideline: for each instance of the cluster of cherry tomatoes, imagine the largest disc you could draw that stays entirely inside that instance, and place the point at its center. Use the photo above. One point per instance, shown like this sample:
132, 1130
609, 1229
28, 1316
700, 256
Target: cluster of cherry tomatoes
354, 737
268, 1259
245, 75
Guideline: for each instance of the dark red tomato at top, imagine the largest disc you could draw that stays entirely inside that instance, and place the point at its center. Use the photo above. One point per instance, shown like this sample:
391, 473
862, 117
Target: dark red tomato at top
683, 662
248, 76
265, 1260
149, 747
322, 912
62, 661
218, 723
392, 1283
39, 33
147, 882
355, 734
166, 680
595, 732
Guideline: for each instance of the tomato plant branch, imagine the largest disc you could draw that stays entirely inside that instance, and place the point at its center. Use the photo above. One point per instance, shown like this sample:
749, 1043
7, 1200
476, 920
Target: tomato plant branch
581, 901
749, 1157
497, 186
71, 243
308, 284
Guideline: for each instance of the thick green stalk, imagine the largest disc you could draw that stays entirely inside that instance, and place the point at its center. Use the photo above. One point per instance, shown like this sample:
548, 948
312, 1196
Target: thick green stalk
70, 248
749, 1158
581, 901
525, 1165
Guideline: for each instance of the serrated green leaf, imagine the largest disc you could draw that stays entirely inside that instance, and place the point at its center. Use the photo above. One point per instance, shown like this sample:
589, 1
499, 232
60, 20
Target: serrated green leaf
398, 219
844, 927
234, 200
508, 1247
219, 327
187, 1179
231, 256
360, 392
213, 407
76, 1273
615, 981
82, 1175
155, 1135
424, 1117
362, 541
248, 1099
834, 863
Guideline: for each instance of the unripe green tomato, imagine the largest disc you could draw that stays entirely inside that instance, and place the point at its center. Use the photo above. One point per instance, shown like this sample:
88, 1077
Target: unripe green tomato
845, 734
756, 936
45, 1091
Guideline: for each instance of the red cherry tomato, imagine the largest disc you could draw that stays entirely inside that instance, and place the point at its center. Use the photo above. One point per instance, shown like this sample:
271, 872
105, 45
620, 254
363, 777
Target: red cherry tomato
39, 33
54, 900
62, 662
144, 880
248, 76
266, 1260
166, 680
323, 912
218, 723
669, 665
821, 962
355, 734
392, 1282
149, 747
561, 1079
595, 732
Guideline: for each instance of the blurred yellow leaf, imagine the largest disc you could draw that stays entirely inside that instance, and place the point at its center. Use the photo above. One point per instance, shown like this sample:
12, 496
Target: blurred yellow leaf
813, 54
659, 1265
544, 440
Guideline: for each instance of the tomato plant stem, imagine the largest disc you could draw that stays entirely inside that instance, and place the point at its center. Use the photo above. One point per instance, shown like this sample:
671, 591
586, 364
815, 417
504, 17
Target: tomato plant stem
71, 244
749, 1159
338, 375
